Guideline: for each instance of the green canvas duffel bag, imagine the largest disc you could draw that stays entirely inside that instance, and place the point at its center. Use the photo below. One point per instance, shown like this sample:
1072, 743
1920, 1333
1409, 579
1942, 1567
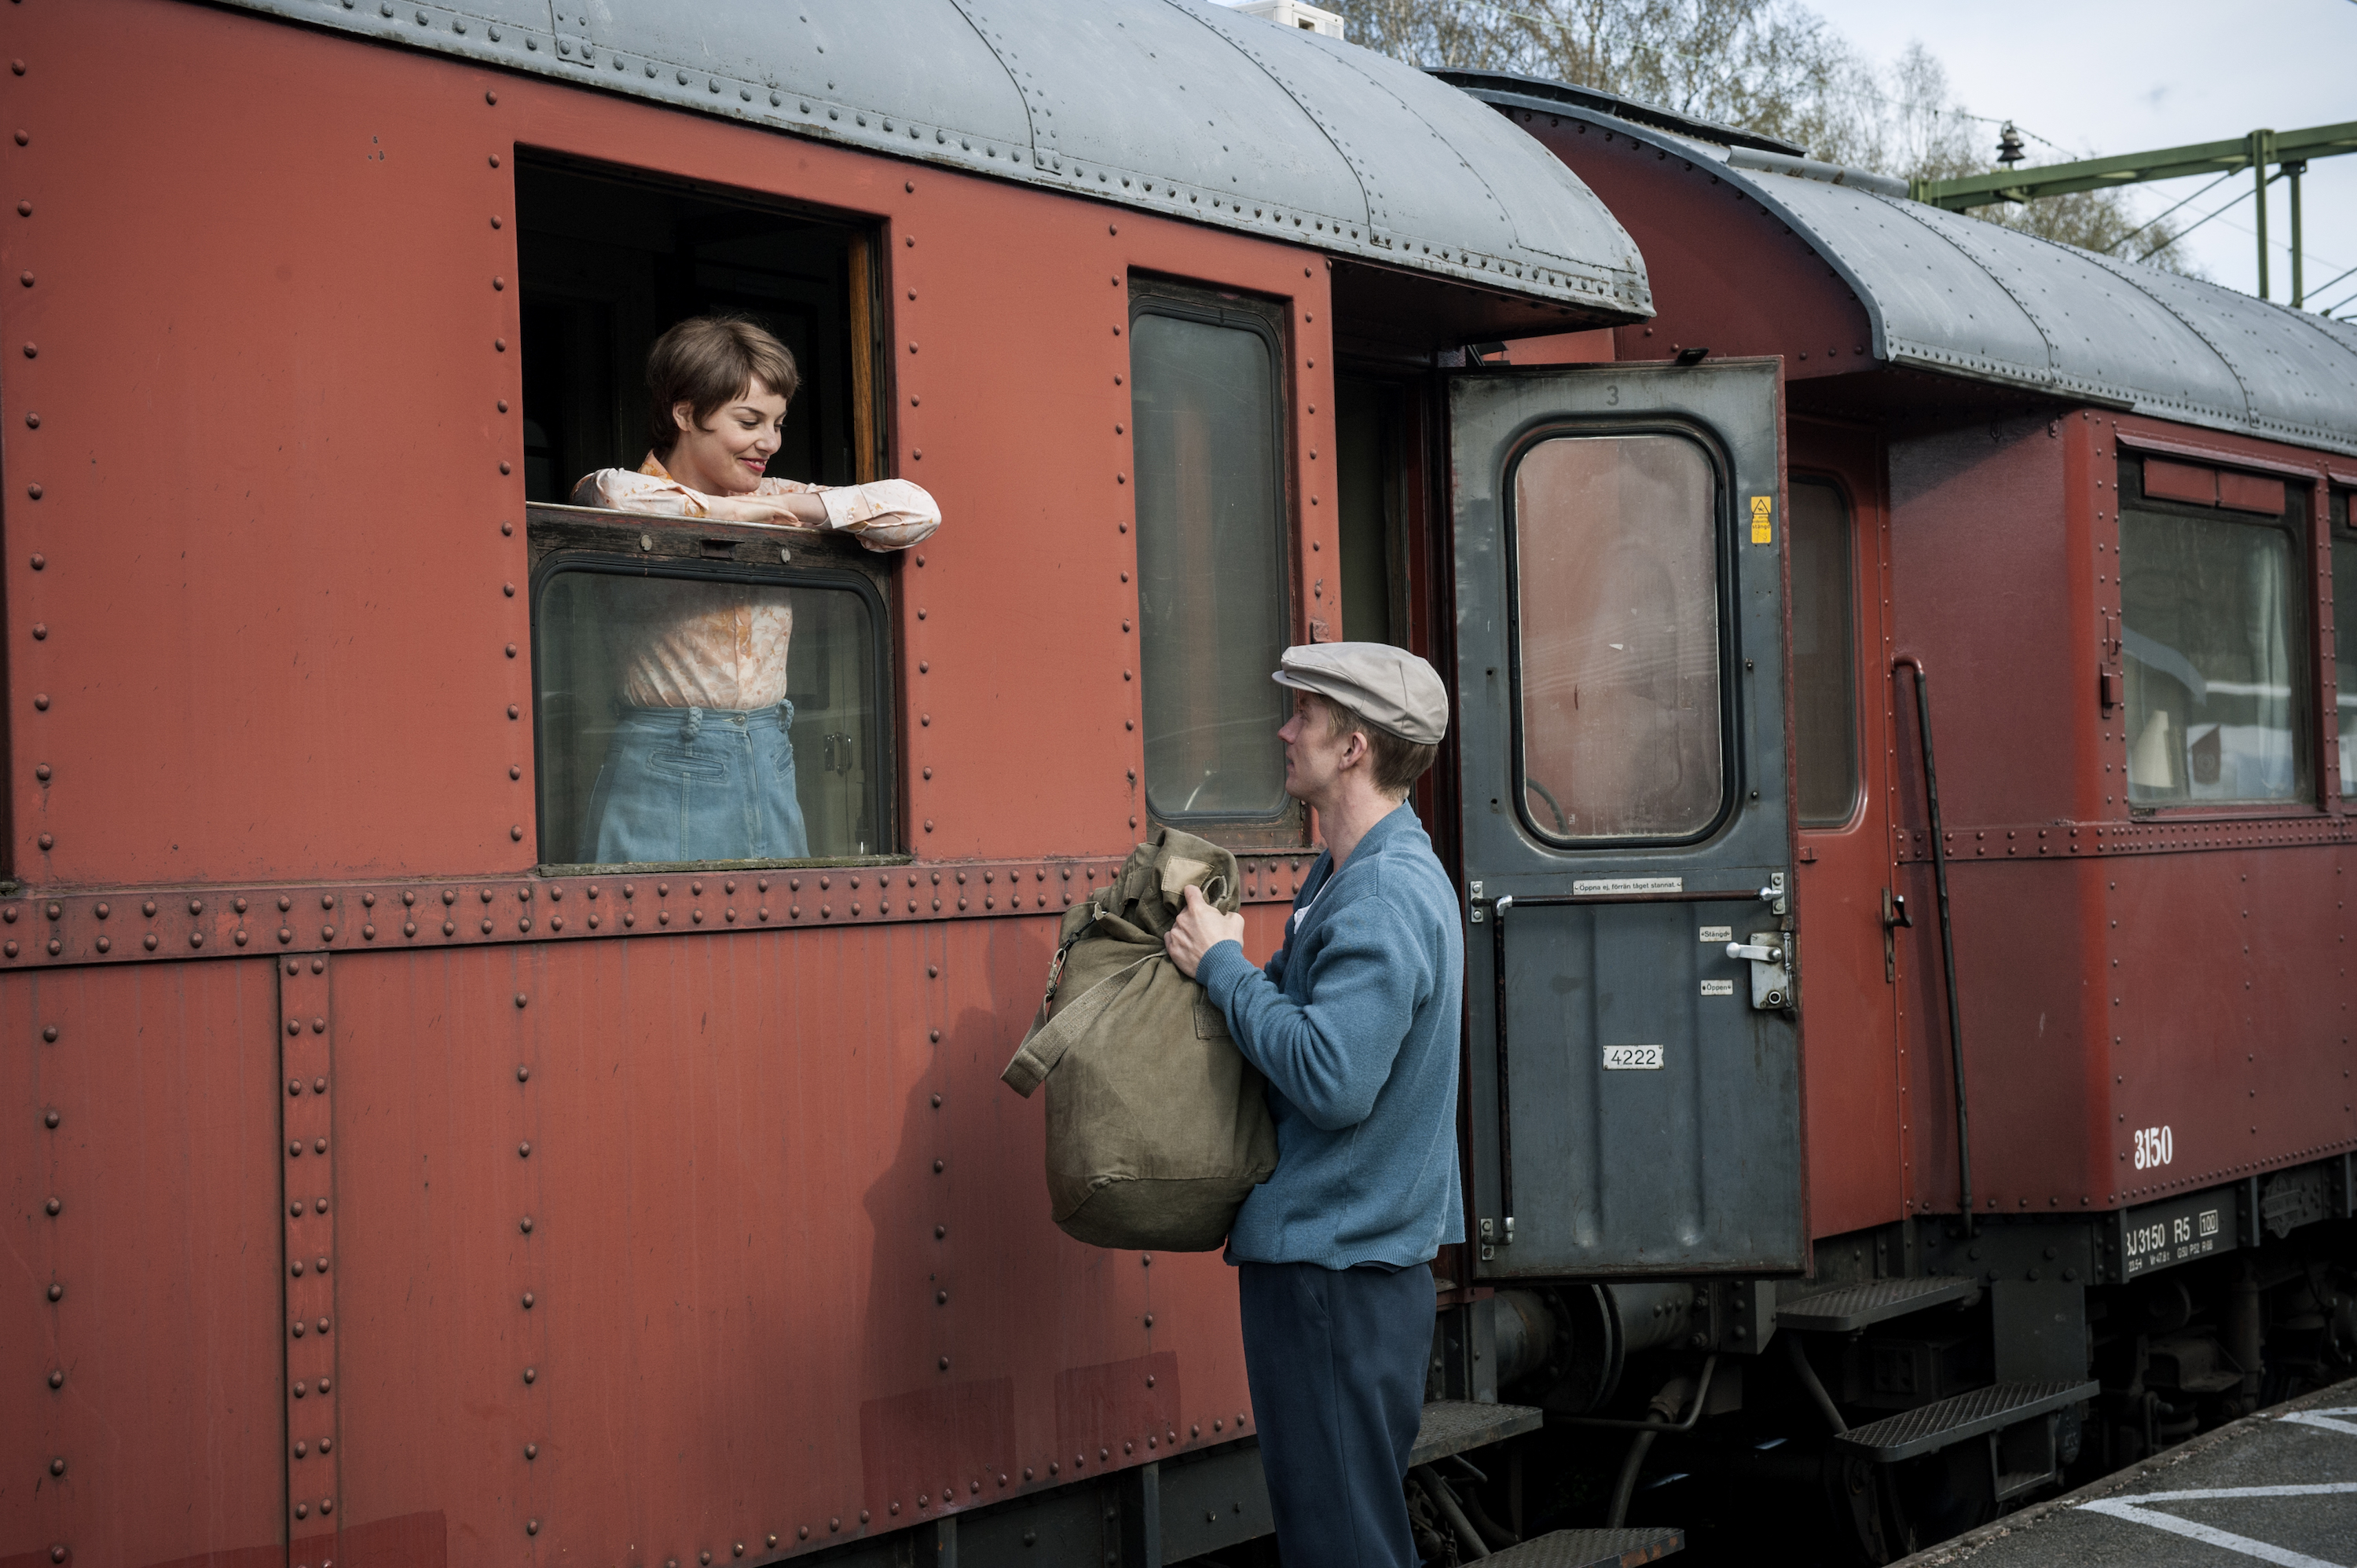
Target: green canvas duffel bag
1156, 1125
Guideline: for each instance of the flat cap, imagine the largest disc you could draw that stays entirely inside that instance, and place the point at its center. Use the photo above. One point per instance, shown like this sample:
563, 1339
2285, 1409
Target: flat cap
1389, 687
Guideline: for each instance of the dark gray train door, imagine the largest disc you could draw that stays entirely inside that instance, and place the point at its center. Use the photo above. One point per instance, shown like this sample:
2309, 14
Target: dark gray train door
1635, 1065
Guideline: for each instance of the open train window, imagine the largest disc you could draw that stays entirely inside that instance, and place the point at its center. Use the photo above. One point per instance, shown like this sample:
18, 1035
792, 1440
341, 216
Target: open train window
1824, 657
2344, 636
1620, 733
703, 691
1207, 402
2213, 625
610, 259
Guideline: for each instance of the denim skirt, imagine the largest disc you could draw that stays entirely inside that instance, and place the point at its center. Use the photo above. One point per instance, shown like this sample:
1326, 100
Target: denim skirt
698, 784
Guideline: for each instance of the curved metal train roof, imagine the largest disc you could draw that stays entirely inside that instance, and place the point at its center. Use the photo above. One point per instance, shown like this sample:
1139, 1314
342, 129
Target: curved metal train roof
1966, 297
1172, 106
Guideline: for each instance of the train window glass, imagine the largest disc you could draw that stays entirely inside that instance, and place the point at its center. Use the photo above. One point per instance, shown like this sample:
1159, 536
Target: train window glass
1213, 616
2211, 625
687, 715
1617, 638
1825, 664
2344, 635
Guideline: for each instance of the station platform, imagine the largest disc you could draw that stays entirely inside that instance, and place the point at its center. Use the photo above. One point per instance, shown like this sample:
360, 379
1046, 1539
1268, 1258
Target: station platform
2280, 1486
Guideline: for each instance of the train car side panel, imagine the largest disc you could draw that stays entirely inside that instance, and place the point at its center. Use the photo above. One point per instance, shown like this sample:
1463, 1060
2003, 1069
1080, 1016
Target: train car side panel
143, 1340
706, 1245
269, 472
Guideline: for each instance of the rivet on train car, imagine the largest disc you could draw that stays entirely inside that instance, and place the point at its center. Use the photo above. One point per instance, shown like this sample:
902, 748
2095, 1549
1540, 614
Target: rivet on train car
39, 561
48, 840
530, 1526
32, 350
42, 772
58, 1377
54, 1206
501, 344
57, 1292
42, 701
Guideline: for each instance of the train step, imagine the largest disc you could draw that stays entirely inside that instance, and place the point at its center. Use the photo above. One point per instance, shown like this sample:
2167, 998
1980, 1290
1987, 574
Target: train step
1452, 1426
1592, 1548
1853, 1306
1934, 1427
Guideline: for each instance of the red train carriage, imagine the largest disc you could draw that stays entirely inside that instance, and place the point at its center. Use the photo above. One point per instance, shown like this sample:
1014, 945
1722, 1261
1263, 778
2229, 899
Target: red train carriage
386, 1184
396, 1185
2095, 994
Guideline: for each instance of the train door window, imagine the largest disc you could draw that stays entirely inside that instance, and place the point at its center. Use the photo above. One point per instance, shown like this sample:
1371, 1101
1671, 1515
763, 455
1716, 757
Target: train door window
2344, 635
700, 694
1207, 402
1824, 657
2212, 623
1617, 638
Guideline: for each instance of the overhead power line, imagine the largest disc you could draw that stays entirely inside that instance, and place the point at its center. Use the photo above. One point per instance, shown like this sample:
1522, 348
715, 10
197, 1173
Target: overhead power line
2181, 233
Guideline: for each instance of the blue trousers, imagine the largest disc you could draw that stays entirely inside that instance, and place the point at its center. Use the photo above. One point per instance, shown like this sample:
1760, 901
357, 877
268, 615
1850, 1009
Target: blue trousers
698, 784
1336, 1358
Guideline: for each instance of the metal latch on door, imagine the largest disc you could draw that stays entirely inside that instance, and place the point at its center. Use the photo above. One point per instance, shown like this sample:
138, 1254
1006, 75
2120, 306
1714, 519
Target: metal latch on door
1771, 972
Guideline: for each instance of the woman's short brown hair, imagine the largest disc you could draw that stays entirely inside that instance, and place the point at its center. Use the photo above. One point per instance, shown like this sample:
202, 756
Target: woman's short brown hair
708, 362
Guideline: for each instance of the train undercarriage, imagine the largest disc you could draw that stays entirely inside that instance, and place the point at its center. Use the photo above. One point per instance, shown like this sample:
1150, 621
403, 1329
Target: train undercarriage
1929, 1378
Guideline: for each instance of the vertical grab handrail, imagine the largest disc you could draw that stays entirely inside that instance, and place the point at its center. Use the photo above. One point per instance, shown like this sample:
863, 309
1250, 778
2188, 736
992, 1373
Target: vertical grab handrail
1947, 931
1505, 1116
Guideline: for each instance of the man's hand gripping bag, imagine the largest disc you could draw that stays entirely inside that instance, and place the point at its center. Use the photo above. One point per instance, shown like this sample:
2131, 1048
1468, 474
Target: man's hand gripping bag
1156, 1125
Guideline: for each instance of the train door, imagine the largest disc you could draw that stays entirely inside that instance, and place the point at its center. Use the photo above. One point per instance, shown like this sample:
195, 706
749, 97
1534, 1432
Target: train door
1853, 907
1635, 1080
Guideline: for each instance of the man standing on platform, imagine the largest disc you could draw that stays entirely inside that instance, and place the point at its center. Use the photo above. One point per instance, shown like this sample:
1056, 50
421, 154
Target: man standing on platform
1354, 1023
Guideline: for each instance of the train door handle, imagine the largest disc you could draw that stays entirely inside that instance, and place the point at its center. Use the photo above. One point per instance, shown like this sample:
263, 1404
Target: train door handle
1769, 953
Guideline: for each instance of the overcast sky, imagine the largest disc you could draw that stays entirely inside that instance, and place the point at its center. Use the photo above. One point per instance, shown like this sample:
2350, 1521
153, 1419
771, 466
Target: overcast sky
2112, 76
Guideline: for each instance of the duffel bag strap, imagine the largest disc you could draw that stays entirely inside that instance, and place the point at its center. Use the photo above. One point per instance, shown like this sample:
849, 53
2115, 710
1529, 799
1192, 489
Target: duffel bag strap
1045, 1045
1064, 951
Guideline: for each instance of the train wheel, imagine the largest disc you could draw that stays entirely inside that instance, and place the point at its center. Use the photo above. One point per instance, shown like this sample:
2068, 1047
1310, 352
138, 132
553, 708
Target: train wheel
1944, 1494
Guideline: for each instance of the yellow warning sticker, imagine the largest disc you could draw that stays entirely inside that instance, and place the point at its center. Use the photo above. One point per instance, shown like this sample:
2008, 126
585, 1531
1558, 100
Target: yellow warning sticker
1763, 532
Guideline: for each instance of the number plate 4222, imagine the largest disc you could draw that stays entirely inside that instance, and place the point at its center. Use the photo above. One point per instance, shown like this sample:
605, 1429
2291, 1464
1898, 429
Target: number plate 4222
1621, 1058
